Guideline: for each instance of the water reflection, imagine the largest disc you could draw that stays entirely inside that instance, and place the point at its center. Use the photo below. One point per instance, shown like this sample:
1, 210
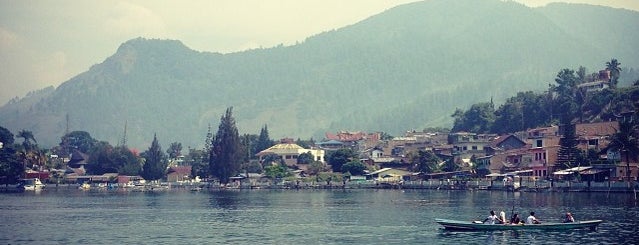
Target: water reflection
304, 216
224, 199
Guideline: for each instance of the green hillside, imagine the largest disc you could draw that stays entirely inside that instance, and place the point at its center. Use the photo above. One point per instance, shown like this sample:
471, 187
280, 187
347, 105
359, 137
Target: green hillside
406, 68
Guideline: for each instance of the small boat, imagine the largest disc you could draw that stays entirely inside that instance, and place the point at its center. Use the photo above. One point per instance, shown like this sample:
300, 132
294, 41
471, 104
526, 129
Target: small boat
33, 184
85, 186
479, 226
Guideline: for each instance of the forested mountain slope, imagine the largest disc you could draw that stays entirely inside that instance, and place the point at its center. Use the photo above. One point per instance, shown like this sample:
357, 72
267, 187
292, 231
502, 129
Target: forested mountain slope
406, 68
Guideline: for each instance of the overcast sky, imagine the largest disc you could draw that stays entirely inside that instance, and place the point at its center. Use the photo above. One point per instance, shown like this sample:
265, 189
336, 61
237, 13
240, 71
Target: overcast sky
46, 42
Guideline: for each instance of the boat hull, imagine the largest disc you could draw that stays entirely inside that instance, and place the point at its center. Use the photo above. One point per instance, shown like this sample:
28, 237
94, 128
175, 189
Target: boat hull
471, 226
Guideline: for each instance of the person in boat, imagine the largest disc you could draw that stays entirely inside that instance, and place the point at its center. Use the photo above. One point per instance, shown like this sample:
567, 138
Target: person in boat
515, 220
492, 219
532, 219
569, 218
502, 216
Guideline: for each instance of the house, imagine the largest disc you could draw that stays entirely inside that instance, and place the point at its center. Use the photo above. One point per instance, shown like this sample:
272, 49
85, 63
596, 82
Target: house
178, 173
389, 175
289, 152
599, 81
331, 145
467, 144
78, 159
504, 143
544, 145
355, 140
595, 136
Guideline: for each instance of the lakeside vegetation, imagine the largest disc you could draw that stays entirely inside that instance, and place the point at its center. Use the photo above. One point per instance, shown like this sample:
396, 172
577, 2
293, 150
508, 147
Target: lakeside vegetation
227, 153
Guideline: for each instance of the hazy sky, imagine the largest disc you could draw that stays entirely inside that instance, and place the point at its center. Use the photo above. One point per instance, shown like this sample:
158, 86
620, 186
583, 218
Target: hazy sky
46, 42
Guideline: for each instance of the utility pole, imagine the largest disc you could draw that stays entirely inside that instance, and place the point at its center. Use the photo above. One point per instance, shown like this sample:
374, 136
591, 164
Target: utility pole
124, 135
66, 138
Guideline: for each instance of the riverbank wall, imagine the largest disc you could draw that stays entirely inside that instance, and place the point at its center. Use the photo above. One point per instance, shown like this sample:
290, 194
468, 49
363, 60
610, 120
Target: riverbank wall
481, 185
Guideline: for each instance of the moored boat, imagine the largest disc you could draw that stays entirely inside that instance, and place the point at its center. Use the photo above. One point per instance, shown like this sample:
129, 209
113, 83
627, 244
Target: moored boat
478, 226
33, 184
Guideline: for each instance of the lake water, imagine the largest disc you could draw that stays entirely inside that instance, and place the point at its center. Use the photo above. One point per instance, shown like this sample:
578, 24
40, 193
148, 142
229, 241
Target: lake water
351, 216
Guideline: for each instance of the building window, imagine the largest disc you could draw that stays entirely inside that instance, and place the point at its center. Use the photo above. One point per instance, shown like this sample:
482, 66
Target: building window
288, 157
538, 143
474, 148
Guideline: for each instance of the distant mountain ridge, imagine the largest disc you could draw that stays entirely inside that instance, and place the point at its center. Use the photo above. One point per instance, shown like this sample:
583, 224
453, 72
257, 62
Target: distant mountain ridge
406, 68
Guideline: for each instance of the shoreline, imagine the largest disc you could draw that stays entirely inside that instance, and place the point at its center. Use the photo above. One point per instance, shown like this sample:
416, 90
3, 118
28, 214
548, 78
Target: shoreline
473, 185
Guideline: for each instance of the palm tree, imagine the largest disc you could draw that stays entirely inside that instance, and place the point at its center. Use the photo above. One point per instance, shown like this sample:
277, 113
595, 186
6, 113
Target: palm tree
615, 69
29, 140
626, 141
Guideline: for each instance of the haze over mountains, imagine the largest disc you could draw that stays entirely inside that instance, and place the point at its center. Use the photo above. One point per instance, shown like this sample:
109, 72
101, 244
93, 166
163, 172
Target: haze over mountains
406, 68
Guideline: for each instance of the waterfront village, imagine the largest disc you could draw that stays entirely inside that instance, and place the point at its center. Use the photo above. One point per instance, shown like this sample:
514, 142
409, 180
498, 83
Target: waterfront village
523, 161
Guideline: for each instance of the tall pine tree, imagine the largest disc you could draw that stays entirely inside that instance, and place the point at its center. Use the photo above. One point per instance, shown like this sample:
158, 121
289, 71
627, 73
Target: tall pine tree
156, 163
568, 152
226, 155
263, 141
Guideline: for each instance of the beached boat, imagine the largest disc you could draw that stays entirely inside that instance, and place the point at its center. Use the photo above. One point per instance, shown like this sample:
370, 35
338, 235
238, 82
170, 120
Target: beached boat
479, 226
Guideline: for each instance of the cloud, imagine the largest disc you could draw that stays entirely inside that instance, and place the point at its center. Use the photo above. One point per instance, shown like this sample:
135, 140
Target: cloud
7, 39
130, 20
24, 68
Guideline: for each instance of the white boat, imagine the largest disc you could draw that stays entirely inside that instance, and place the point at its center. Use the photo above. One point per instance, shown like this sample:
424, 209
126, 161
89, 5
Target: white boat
85, 186
33, 184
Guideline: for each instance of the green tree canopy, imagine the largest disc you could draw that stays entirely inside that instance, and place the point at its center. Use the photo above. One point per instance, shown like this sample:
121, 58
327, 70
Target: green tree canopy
276, 171
478, 119
316, 167
105, 158
174, 150
568, 153
263, 140
340, 157
79, 140
614, 67
28, 140
226, 155
6, 137
424, 161
127, 163
626, 140
305, 158
198, 159
155, 163
248, 143
354, 167
10, 166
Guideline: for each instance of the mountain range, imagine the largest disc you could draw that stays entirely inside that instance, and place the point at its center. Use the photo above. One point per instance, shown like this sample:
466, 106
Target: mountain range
403, 69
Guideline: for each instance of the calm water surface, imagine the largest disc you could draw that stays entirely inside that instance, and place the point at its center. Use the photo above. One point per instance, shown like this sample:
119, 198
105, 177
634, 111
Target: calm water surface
301, 217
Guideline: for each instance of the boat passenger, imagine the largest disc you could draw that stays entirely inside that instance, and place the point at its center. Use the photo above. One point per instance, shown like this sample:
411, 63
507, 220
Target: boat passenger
532, 219
492, 219
502, 216
569, 218
515, 220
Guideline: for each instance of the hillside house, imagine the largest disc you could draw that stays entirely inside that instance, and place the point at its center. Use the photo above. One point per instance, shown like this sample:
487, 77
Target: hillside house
595, 136
465, 144
289, 152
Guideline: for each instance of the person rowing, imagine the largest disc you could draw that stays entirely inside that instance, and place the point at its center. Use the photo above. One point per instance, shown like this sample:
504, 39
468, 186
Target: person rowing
492, 219
532, 219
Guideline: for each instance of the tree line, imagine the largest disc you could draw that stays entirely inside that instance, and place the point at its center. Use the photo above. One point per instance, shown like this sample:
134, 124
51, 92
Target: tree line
225, 154
564, 101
